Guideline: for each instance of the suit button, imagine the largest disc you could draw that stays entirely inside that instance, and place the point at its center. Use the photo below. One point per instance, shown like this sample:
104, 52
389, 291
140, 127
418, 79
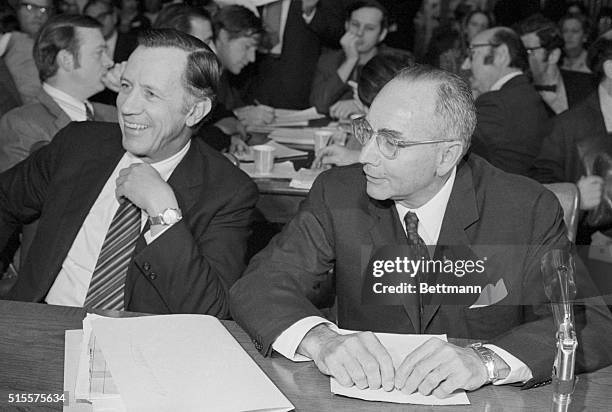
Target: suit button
146, 266
153, 276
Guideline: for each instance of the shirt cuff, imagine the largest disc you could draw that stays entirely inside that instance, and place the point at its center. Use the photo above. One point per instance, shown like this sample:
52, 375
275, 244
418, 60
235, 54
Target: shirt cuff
519, 372
288, 341
150, 238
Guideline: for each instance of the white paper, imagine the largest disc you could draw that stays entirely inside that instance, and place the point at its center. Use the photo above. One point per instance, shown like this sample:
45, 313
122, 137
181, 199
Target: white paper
183, 363
398, 346
284, 170
281, 152
305, 178
303, 136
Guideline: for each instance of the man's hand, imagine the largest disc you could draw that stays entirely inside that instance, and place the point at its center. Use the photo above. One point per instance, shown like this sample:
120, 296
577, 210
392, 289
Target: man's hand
349, 45
343, 109
358, 358
309, 6
142, 185
112, 78
238, 146
439, 368
255, 115
590, 188
335, 155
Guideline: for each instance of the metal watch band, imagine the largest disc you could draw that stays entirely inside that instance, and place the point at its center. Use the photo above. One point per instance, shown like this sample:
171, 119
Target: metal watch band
486, 356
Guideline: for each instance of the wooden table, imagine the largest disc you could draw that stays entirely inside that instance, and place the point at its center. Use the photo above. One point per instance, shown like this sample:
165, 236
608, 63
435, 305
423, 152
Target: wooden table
32, 348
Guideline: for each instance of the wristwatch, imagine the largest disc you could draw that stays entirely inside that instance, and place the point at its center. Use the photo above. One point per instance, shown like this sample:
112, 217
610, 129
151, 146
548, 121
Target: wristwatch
168, 217
486, 355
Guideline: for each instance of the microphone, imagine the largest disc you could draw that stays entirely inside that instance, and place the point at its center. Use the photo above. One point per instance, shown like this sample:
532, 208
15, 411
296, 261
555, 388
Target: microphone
558, 269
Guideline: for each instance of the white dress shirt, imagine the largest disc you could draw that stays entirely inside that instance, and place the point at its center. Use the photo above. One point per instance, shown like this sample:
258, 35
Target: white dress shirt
605, 102
73, 108
430, 217
72, 282
505, 79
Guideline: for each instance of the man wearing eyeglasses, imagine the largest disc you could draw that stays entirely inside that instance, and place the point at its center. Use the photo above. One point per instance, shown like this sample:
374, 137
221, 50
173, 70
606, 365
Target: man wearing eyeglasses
560, 89
413, 187
512, 119
32, 14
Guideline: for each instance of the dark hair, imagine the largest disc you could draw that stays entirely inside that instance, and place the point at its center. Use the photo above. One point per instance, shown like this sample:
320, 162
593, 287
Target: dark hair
178, 16
8, 19
546, 30
599, 52
360, 4
516, 49
585, 22
454, 104
466, 19
237, 21
202, 70
59, 33
110, 7
379, 70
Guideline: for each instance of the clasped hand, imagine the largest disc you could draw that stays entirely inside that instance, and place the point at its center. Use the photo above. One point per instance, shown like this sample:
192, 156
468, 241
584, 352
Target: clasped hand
142, 185
435, 368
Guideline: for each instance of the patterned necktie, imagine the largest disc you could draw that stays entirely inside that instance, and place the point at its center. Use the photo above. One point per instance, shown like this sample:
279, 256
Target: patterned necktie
89, 113
272, 22
108, 280
418, 246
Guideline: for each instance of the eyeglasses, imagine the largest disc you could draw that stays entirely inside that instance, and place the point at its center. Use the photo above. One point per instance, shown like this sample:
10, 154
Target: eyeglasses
472, 47
387, 143
31, 8
531, 50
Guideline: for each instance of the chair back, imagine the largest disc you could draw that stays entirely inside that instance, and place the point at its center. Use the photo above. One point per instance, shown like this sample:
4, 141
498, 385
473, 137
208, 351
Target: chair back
569, 197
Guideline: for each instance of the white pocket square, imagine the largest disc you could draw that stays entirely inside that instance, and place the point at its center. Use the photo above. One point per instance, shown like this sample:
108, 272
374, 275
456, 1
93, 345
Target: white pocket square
491, 295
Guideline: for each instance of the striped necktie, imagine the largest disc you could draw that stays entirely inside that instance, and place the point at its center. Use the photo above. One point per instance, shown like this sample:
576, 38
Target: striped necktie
108, 280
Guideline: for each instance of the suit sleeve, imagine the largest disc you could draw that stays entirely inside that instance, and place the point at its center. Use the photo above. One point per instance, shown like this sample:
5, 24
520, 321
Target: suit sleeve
279, 286
552, 163
489, 131
327, 87
17, 137
193, 267
533, 342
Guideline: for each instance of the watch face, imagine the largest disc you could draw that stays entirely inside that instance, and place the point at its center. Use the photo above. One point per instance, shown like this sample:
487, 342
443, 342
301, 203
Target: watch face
170, 216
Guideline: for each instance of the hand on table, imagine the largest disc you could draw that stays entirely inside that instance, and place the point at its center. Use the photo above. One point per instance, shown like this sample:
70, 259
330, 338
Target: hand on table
590, 188
255, 115
238, 146
439, 368
358, 358
335, 155
343, 109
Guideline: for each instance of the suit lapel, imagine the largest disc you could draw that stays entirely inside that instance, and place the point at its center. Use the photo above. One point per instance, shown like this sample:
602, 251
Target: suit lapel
61, 118
386, 229
461, 212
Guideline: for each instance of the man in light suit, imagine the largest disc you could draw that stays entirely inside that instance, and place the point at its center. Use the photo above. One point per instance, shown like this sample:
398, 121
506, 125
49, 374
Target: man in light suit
70, 55
415, 188
135, 216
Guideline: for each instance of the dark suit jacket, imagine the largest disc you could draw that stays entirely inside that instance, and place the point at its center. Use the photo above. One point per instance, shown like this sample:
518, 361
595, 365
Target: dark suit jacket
511, 124
578, 86
285, 81
567, 154
36, 123
327, 87
9, 95
338, 225
188, 269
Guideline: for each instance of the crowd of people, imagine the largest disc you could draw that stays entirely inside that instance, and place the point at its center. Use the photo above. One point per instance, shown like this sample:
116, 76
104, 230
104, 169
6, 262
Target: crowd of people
115, 193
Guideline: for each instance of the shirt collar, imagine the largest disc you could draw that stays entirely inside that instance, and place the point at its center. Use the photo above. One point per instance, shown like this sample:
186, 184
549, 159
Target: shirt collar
505, 79
164, 167
431, 213
67, 103
605, 102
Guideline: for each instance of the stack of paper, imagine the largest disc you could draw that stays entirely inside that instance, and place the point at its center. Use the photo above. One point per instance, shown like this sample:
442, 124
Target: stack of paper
287, 118
305, 178
180, 363
281, 152
284, 170
303, 136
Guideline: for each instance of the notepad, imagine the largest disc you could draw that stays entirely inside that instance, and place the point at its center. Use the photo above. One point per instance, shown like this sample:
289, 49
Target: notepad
281, 152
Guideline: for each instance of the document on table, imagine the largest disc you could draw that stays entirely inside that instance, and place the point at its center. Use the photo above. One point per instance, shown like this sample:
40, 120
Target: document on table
281, 152
398, 347
305, 178
284, 170
182, 363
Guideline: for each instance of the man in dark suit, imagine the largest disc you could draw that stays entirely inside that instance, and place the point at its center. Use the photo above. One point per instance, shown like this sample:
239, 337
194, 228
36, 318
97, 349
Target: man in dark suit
560, 89
284, 73
119, 45
70, 76
512, 119
136, 216
9, 96
415, 136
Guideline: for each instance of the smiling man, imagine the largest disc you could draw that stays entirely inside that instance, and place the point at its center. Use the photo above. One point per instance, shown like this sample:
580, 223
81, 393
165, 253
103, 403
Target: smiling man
415, 188
136, 216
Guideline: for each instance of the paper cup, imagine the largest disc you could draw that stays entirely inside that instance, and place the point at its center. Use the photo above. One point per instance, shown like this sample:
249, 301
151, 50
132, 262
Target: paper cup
322, 139
263, 156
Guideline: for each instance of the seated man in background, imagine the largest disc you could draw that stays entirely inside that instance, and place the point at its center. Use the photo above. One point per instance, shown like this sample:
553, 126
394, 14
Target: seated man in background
366, 27
374, 75
560, 89
579, 136
512, 119
70, 54
135, 216
416, 188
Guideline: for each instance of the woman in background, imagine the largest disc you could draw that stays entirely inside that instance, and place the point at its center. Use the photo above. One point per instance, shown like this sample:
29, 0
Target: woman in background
576, 30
